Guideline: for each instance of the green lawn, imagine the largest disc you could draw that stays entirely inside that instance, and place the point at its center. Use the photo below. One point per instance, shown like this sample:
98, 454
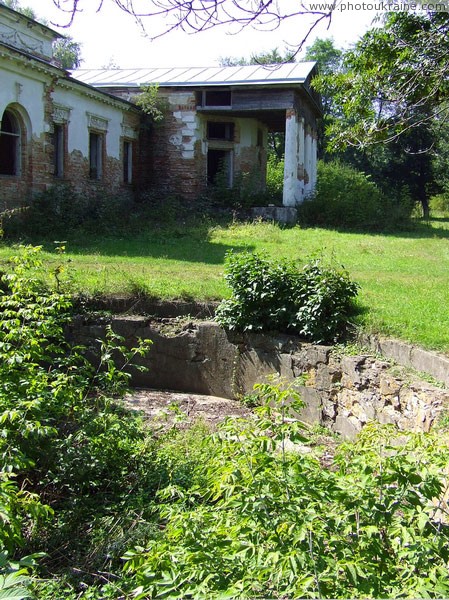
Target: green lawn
403, 277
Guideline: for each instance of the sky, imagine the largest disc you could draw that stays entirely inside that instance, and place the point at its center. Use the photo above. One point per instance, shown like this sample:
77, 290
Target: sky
111, 37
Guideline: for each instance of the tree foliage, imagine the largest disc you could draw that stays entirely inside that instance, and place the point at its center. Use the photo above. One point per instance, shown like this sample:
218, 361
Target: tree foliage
383, 101
394, 80
28, 11
67, 52
271, 57
151, 103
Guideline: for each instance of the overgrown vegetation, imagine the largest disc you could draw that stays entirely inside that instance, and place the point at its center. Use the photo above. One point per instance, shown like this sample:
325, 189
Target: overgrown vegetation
315, 301
264, 519
345, 198
69, 458
62, 210
242, 512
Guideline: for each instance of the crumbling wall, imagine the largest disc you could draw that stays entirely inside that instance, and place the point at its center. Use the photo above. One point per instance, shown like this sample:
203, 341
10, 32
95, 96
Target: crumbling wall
341, 392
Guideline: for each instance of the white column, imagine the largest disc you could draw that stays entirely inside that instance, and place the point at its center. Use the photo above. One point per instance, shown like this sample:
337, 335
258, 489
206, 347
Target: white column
293, 161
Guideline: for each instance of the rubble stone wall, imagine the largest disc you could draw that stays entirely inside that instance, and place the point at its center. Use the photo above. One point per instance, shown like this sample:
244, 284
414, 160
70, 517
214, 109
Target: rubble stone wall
341, 392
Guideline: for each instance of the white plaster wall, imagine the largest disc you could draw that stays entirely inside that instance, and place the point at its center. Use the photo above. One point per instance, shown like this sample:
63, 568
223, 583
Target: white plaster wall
248, 133
25, 89
80, 106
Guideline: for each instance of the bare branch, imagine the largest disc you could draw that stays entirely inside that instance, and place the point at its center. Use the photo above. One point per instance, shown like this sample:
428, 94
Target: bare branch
193, 16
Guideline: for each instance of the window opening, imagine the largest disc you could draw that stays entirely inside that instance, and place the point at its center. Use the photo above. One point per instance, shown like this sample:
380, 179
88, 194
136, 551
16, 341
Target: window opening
58, 144
217, 98
9, 144
95, 155
217, 130
127, 161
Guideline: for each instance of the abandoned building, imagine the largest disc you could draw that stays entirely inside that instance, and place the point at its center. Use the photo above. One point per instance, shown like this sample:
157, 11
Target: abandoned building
84, 128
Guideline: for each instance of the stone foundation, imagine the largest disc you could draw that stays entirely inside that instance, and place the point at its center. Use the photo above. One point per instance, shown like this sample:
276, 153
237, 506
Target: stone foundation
341, 392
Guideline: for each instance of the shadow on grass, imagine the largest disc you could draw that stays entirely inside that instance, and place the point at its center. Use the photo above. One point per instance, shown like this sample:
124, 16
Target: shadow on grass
185, 244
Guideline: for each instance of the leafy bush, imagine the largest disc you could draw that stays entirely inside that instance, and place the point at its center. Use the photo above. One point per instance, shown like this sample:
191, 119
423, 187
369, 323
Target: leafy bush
346, 198
263, 519
68, 454
315, 301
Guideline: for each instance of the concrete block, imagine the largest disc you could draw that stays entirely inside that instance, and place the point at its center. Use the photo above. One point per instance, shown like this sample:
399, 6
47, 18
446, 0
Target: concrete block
286, 215
432, 363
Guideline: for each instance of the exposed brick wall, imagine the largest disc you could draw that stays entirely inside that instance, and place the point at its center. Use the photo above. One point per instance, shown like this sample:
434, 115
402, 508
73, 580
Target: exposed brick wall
177, 164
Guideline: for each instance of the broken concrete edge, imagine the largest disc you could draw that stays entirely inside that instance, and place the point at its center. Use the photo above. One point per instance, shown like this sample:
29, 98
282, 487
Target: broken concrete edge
341, 392
433, 364
142, 310
409, 355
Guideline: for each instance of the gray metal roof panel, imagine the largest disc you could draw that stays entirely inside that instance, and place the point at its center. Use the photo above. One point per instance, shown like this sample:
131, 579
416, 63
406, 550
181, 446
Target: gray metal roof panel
197, 76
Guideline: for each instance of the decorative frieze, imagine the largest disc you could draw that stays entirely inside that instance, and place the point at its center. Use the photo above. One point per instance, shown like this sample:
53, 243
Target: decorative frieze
97, 122
61, 114
129, 132
22, 41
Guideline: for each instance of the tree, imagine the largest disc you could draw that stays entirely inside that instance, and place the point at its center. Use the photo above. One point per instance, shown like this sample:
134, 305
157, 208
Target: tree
65, 49
395, 79
271, 57
67, 52
387, 96
329, 62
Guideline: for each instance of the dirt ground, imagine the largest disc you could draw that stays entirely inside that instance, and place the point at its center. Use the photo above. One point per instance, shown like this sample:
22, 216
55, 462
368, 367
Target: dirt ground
166, 409
170, 407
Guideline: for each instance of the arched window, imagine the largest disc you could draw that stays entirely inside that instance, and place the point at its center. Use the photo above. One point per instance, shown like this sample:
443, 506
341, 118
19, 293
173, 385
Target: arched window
9, 144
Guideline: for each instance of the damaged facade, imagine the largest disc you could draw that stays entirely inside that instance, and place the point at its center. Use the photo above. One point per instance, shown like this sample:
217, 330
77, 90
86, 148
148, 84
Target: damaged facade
84, 128
54, 128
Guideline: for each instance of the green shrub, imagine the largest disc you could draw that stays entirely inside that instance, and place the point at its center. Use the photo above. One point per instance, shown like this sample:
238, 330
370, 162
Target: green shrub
346, 198
315, 301
68, 453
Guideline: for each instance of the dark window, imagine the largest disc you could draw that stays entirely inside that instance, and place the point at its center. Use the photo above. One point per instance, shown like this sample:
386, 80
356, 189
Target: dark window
95, 155
58, 148
219, 167
217, 98
127, 162
9, 144
220, 131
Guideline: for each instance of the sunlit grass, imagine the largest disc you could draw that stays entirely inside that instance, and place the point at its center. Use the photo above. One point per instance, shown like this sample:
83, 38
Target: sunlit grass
403, 277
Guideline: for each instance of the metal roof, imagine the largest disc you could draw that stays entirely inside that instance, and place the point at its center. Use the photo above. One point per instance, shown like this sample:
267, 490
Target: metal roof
286, 73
